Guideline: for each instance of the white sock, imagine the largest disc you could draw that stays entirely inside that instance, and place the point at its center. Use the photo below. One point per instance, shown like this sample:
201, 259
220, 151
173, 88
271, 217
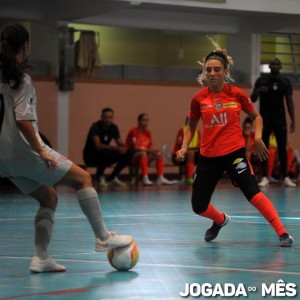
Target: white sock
43, 224
89, 203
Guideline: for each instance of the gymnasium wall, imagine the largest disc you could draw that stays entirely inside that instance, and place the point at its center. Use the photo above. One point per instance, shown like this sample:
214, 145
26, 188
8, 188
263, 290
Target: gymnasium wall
166, 103
128, 46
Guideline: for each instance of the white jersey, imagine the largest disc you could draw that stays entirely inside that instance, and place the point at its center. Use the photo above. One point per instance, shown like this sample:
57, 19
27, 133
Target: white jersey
17, 157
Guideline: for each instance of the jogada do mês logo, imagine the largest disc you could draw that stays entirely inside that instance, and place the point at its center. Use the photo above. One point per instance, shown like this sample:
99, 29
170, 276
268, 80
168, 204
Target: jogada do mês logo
278, 289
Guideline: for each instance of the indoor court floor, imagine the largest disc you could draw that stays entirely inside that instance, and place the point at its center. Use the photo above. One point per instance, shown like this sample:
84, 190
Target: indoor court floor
245, 261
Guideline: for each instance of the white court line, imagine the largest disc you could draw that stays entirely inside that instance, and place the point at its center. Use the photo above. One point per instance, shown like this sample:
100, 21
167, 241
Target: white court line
151, 215
271, 271
105, 216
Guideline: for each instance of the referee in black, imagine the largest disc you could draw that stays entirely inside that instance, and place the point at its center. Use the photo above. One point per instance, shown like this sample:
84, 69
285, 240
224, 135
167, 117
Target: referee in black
272, 89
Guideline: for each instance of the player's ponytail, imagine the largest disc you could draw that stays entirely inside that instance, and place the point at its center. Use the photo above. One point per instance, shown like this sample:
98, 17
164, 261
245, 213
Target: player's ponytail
12, 39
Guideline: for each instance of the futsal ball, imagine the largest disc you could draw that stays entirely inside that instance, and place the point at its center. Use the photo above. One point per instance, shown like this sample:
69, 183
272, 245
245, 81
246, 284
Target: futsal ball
124, 258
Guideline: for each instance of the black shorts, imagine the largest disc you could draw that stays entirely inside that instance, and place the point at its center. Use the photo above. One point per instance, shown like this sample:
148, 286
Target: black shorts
209, 171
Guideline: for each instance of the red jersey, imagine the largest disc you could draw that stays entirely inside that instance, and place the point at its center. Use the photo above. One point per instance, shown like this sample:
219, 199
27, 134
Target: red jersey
220, 115
138, 139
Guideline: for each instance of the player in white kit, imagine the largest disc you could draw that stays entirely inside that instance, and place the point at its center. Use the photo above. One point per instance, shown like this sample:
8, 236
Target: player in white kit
33, 166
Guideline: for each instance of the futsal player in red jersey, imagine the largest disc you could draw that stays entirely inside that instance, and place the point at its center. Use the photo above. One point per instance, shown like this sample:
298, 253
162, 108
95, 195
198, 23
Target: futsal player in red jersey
222, 148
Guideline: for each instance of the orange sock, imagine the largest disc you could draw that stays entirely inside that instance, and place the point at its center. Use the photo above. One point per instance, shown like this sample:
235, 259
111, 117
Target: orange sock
189, 170
267, 209
213, 214
160, 167
144, 165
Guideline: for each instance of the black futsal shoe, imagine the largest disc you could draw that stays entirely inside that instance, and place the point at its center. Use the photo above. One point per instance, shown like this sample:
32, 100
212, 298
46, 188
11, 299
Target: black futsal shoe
286, 240
213, 231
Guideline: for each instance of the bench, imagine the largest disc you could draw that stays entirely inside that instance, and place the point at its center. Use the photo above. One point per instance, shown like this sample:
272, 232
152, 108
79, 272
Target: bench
133, 173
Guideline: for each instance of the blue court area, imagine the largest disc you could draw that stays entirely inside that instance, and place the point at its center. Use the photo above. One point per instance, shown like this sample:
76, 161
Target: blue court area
245, 258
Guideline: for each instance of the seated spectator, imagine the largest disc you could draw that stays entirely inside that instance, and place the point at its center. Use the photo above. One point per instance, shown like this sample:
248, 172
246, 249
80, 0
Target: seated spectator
293, 163
100, 153
249, 135
274, 168
274, 171
272, 160
188, 165
139, 144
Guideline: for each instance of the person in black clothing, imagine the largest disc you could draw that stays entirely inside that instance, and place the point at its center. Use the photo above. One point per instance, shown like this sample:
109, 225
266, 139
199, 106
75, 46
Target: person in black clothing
272, 89
98, 151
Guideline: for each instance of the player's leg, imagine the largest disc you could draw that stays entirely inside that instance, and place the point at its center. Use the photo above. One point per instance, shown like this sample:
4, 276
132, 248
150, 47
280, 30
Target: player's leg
43, 224
241, 172
122, 161
88, 200
271, 161
140, 159
281, 138
103, 160
207, 175
159, 163
267, 130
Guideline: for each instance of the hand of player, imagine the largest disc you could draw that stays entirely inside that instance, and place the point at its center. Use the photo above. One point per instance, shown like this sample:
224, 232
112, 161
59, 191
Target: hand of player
122, 150
261, 150
292, 127
48, 159
180, 154
156, 153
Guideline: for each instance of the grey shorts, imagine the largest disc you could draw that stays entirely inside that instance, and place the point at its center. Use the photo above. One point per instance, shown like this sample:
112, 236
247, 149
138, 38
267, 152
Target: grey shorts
42, 175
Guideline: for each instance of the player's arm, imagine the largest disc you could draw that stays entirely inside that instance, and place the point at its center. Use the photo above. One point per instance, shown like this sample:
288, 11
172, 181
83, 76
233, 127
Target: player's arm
119, 142
188, 136
101, 146
131, 142
117, 137
260, 149
25, 126
257, 91
145, 145
259, 88
121, 145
